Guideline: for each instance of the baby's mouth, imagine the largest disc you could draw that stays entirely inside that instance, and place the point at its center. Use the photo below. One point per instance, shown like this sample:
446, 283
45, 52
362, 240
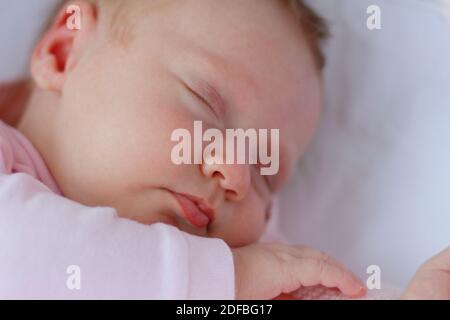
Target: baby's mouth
194, 209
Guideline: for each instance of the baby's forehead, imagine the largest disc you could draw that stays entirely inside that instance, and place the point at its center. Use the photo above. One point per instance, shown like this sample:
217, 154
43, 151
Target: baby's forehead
121, 16
276, 85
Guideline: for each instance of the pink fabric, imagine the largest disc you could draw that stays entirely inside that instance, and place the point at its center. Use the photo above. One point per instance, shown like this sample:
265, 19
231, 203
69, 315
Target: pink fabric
43, 233
17, 155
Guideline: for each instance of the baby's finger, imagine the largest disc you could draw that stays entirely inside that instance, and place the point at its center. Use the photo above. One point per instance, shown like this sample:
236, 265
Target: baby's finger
312, 272
441, 260
334, 275
306, 252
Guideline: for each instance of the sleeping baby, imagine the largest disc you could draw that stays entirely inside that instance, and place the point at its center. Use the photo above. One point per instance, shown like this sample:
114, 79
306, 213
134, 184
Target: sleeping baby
87, 175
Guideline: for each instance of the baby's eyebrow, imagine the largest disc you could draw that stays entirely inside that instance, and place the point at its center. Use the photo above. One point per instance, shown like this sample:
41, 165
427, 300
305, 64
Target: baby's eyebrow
218, 72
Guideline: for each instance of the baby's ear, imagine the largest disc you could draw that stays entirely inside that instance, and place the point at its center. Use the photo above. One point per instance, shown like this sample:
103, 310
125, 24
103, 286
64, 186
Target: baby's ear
60, 48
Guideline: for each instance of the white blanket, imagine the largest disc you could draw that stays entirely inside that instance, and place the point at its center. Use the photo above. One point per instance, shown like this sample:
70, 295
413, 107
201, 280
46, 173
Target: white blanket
374, 188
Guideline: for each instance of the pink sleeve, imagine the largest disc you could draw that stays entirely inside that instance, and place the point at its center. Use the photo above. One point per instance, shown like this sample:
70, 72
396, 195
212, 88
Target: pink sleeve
43, 234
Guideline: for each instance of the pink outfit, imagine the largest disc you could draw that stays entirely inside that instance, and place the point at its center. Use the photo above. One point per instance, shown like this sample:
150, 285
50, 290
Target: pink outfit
42, 234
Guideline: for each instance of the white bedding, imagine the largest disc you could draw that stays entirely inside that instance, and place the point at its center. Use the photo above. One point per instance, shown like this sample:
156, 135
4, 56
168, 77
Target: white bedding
21, 21
374, 186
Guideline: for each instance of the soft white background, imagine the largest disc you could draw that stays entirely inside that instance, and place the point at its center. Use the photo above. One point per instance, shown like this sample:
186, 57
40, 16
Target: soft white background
374, 187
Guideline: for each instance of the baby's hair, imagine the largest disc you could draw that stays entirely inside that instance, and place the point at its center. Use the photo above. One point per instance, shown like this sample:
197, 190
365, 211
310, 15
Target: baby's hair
314, 26
119, 19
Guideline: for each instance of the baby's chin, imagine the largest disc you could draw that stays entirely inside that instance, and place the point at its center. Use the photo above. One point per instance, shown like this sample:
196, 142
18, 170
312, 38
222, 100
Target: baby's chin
158, 205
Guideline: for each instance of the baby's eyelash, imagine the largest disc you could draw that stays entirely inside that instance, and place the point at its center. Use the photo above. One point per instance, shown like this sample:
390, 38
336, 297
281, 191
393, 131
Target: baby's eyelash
199, 97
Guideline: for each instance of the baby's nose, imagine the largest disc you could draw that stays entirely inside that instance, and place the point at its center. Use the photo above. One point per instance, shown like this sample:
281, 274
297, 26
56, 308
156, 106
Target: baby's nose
233, 178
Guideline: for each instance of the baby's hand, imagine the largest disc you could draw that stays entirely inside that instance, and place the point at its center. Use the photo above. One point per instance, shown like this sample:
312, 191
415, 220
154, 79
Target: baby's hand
432, 280
265, 271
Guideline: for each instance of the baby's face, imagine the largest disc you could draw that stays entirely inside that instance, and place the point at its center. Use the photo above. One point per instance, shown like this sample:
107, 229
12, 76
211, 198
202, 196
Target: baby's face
119, 108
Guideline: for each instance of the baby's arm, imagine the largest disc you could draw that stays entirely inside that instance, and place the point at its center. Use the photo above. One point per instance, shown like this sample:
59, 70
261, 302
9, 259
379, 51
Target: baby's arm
42, 234
432, 280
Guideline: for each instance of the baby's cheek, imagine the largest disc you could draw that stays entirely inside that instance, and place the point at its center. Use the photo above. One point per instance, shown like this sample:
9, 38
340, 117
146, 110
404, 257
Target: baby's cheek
249, 222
